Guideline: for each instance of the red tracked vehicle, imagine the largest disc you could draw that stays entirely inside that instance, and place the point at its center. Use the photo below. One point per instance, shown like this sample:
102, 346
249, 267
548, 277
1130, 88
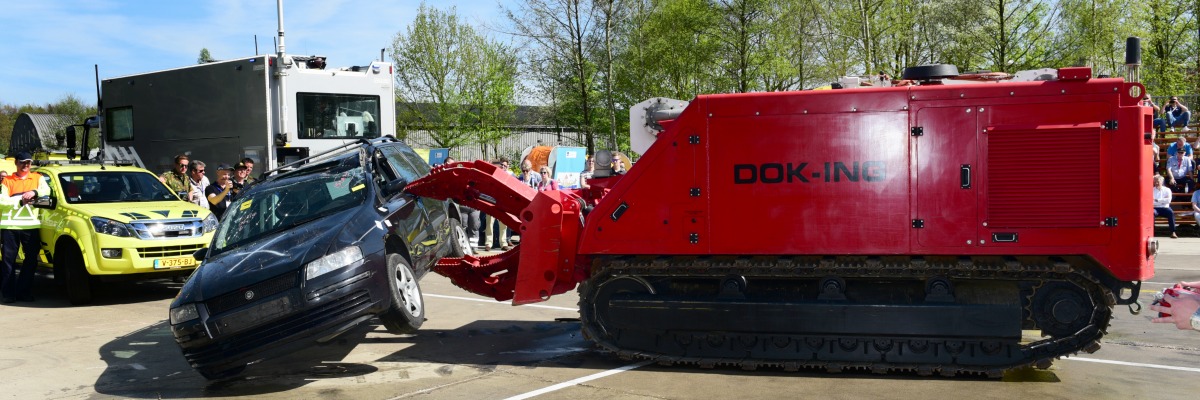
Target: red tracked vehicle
918, 228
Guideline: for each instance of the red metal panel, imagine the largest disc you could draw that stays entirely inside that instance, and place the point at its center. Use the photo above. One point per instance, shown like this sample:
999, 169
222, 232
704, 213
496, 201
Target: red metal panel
1021, 157
810, 183
946, 146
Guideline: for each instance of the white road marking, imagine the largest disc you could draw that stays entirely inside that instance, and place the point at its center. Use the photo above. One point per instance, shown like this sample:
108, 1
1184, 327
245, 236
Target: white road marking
1133, 364
442, 296
577, 381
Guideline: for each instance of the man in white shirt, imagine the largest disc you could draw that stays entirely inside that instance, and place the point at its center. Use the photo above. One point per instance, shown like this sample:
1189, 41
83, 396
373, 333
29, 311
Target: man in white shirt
1162, 204
1179, 172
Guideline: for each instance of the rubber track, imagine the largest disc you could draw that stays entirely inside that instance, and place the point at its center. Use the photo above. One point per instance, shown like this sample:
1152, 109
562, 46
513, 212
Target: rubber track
1039, 354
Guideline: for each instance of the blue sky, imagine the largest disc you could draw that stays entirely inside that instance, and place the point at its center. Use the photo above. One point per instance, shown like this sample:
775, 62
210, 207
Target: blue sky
50, 46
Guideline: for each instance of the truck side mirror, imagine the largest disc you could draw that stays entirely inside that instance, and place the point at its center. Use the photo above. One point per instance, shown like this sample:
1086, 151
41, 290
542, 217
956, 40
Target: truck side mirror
71, 142
46, 202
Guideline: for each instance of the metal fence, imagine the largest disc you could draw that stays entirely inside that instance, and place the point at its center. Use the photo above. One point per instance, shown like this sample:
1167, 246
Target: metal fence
509, 147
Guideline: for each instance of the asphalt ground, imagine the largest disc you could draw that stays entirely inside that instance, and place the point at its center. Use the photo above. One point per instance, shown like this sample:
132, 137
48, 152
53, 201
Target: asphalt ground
474, 348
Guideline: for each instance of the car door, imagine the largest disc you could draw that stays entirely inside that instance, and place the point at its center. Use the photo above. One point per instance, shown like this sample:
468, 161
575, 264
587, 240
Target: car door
406, 212
52, 221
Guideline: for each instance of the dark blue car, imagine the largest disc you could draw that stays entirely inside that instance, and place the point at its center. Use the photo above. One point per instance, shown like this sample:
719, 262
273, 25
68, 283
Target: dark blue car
307, 254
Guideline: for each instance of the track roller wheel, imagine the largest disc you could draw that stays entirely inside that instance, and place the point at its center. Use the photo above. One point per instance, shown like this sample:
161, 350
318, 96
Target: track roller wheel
1061, 309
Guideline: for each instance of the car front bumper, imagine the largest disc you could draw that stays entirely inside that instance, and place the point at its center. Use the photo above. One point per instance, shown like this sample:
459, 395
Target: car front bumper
285, 314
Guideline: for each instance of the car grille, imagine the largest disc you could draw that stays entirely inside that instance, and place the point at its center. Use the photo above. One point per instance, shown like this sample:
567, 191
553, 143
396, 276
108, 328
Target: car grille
168, 228
237, 298
169, 251
235, 345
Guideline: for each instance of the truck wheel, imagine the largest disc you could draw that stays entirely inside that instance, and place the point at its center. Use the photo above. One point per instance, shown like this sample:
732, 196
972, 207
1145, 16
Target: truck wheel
79, 282
407, 311
220, 374
460, 241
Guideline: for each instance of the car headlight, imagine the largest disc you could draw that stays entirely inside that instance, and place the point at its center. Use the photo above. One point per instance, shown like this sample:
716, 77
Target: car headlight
210, 223
184, 313
327, 264
110, 227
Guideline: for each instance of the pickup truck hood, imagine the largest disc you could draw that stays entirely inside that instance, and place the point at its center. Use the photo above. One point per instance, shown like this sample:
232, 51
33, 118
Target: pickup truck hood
151, 210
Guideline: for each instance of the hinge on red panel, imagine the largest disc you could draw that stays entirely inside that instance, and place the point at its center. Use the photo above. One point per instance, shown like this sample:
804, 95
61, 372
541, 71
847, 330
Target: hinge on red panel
694, 192
1110, 125
694, 139
1110, 221
694, 238
917, 131
918, 223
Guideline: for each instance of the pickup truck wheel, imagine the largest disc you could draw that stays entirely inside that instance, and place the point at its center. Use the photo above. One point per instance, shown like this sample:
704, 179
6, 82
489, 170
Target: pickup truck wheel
79, 282
407, 311
461, 242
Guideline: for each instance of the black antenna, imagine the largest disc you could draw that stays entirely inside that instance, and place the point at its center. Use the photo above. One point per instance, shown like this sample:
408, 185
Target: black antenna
99, 108
256, 45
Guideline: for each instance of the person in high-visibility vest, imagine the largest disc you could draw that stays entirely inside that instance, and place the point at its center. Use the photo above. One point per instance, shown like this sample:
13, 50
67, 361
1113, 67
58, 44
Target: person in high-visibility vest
19, 221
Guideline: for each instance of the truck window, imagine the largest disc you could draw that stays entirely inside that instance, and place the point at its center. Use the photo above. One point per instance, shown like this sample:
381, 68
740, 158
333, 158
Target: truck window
118, 123
337, 116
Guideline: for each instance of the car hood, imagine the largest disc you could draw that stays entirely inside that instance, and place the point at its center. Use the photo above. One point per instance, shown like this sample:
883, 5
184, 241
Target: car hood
151, 210
267, 257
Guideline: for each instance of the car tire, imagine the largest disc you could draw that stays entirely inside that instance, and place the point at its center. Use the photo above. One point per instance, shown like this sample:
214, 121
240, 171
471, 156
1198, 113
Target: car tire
460, 242
220, 374
407, 310
79, 281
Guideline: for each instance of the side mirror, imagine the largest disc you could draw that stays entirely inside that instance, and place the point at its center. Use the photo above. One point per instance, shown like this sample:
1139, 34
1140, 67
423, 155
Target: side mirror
47, 202
71, 142
395, 186
200, 254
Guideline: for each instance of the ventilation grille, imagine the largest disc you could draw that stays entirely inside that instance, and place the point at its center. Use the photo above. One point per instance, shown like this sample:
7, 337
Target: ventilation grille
1044, 178
262, 290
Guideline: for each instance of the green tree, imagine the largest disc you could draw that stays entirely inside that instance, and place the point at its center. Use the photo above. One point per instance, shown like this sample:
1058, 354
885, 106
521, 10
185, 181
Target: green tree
1016, 35
431, 75
1170, 43
561, 37
204, 57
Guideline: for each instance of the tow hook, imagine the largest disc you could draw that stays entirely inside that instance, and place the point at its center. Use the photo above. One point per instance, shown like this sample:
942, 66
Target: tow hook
1135, 308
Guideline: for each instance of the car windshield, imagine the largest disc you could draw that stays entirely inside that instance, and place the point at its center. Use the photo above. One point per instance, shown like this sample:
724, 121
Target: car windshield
272, 209
113, 187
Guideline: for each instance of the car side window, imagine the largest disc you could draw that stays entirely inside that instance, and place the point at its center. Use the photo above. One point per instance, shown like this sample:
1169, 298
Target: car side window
49, 183
398, 162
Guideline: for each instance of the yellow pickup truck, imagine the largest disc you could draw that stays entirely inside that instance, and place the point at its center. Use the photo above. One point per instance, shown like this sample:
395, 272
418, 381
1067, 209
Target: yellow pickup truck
105, 222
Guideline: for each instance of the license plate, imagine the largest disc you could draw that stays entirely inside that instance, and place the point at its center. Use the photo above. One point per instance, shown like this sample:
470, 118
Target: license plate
171, 263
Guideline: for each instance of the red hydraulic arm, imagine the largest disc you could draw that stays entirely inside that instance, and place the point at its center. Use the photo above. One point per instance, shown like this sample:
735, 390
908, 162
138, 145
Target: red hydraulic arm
544, 264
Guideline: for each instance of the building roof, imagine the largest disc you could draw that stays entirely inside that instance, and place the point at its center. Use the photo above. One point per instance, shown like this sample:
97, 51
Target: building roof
39, 132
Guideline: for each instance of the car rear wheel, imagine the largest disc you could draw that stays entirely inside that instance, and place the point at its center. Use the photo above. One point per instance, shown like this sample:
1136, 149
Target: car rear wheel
407, 311
461, 241
79, 281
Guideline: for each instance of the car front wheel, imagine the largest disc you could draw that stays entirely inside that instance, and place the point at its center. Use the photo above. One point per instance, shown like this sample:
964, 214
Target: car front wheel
79, 281
407, 312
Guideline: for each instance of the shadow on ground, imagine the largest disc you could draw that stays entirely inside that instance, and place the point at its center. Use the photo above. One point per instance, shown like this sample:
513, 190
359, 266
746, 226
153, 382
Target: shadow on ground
51, 294
148, 364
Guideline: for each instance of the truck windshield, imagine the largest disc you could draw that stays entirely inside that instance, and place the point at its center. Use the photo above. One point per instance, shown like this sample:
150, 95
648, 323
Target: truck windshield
337, 116
274, 209
113, 187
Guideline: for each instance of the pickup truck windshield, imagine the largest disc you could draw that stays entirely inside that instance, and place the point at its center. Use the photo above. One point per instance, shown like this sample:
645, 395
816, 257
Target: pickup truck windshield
113, 187
278, 208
